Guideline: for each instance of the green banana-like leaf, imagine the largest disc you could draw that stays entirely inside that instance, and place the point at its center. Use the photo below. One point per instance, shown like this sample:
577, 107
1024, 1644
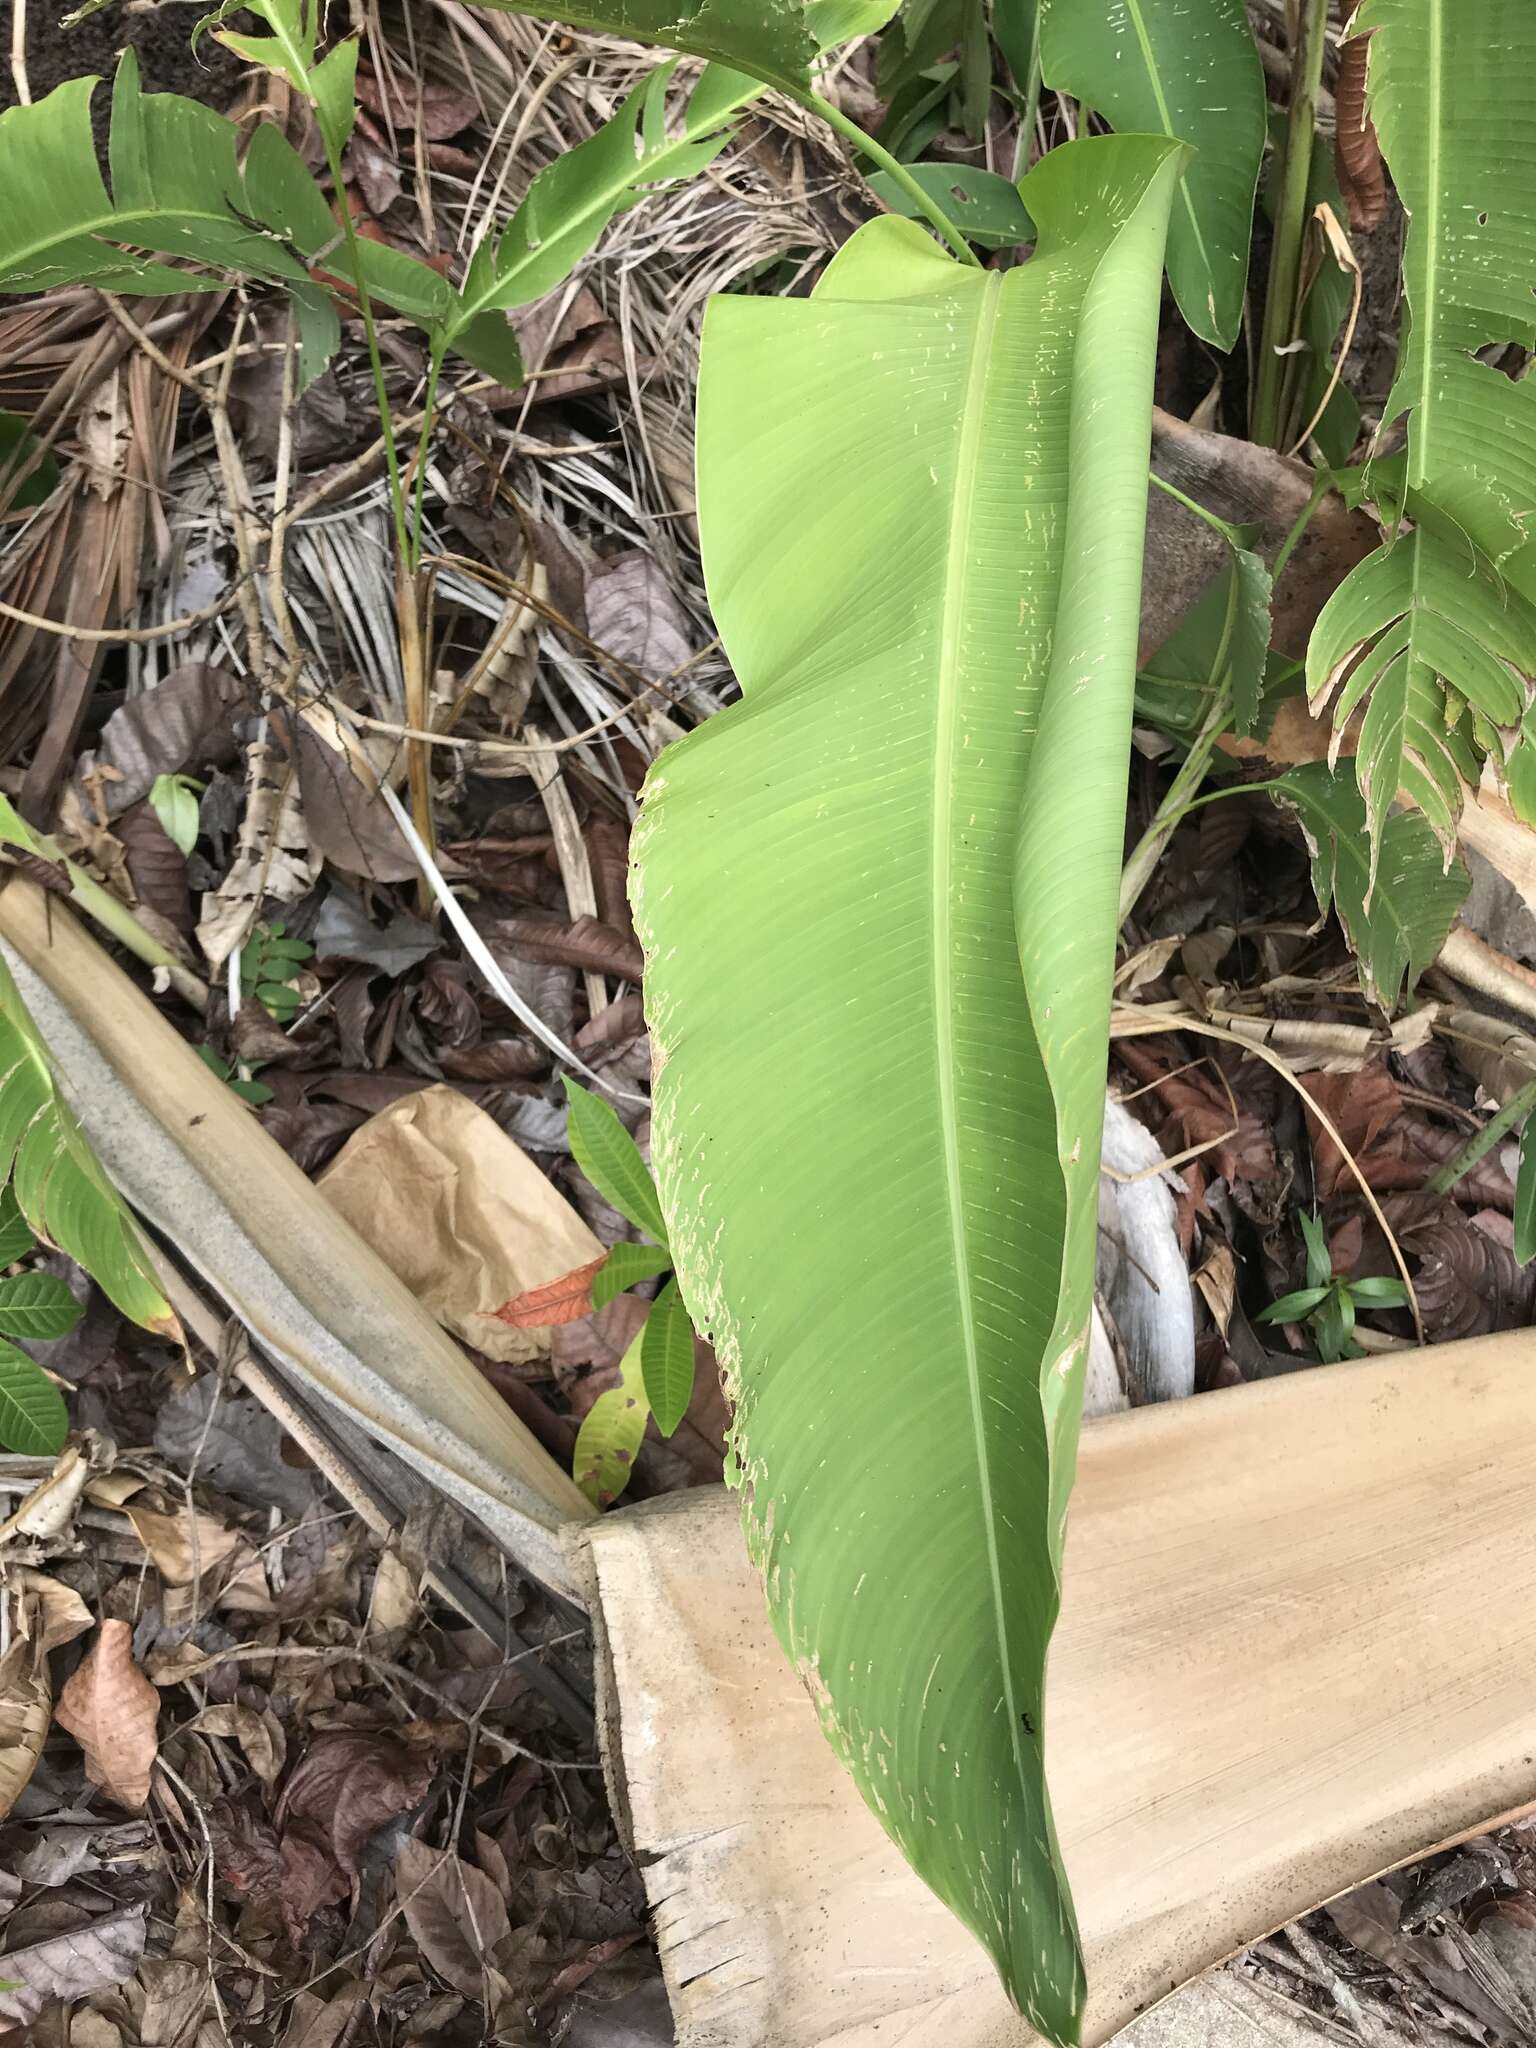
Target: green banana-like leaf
878, 898
1190, 69
777, 41
1396, 911
1443, 618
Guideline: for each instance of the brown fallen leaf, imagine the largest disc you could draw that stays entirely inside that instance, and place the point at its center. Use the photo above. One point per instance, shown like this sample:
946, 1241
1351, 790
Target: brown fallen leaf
1356, 152
435, 111
25, 1700
1393, 1147
181, 1544
455, 1913
565, 1300
581, 942
111, 1708
321, 2022
347, 822
69, 1966
349, 1784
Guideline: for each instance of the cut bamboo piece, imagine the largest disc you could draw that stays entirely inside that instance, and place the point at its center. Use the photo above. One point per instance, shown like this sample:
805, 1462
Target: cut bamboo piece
191, 1158
1296, 1647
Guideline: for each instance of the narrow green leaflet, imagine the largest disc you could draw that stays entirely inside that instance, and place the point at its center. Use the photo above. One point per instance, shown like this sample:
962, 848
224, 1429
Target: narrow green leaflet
777, 41
1016, 26
1444, 615
63, 1194
1396, 900
624, 1265
611, 1433
37, 1306
666, 1358
611, 1160
922, 495
985, 207
1525, 1196
571, 201
296, 28
33, 1418
1187, 68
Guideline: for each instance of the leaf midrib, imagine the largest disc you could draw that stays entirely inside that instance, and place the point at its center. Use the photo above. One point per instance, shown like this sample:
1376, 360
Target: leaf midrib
946, 764
1418, 460
108, 230
1154, 79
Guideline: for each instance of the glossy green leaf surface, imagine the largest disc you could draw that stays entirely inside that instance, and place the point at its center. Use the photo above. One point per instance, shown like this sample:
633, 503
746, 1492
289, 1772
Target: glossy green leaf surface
777, 41
878, 898
1397, 908
1188, 68
16, 1238
1443, 617
37, 1306
33, 1419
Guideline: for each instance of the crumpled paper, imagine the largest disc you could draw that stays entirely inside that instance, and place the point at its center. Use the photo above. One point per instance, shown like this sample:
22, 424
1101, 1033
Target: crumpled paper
460, 1213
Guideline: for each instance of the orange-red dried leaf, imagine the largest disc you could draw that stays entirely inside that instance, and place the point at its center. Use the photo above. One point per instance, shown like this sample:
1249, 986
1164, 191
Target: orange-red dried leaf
565, 1300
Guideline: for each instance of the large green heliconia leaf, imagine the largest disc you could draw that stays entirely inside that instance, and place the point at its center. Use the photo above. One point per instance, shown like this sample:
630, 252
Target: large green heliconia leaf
1189, 68
878, 898
778, 41
1445, 614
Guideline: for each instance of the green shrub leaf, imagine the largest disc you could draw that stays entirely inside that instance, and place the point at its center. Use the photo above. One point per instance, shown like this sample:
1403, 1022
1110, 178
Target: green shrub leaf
666, 1358
16, 1238
984, 206
624, 1265
612, 1161
33, 1419
922, 497
611, 1433
37, 1306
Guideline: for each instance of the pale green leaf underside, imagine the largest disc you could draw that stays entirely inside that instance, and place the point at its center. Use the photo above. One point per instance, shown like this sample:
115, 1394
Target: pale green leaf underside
1397, 926
922, 498
1188, 68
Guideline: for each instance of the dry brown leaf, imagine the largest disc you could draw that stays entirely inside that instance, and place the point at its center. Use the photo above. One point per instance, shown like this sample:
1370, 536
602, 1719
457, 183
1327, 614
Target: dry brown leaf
111, 1709
181, 1543
454, 1912
175, 1992
347, 822
347, 1786
321, 2022
26, 1699
273, 856
1356, 152
565, 1300
61, 1614
185, 722
435, 111
1394, 1148
49, 1508
259, 1735
581, 942
69, 1966
396, 1596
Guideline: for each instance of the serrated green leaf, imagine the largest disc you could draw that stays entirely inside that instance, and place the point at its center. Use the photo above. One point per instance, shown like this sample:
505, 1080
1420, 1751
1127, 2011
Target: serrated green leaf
1525, 1196
666, 1358
37, 1306
611, 1433
985, 207
16, 1238
1188, 69
1396, 900
612, 1161
33, 1418
922, 504
624, 1265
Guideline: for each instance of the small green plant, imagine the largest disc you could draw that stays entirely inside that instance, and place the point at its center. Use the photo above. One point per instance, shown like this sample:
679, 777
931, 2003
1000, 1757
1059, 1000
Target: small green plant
1328, 1302
173, 799
249, 1090
269, 965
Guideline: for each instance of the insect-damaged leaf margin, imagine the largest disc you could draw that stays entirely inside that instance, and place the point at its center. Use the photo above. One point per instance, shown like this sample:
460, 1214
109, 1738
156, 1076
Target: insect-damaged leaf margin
922, 496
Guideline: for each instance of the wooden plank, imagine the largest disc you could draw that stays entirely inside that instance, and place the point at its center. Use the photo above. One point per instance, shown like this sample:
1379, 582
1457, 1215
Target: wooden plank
1299, 1628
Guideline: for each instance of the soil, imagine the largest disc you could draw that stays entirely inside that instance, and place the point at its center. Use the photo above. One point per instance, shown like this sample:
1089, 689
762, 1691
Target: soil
160, 37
